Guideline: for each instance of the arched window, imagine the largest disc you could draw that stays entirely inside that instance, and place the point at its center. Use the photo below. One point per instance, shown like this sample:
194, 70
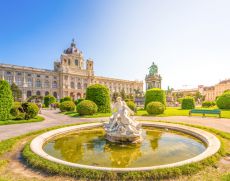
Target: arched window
38, 93
76, 62
85, 85
38, 83
28, 94
72, 85
47, 84
55, 94
46, 93
79, 85
69, 61
54, 85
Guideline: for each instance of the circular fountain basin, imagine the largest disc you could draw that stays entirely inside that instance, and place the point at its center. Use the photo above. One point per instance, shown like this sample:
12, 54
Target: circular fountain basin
164, 145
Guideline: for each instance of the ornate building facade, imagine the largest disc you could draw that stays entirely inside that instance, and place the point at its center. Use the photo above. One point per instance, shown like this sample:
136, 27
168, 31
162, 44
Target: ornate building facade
70, 77
153, 79
210, 92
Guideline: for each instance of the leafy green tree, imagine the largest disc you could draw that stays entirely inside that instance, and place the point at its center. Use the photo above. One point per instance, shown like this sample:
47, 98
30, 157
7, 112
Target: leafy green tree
17, 93
6, 100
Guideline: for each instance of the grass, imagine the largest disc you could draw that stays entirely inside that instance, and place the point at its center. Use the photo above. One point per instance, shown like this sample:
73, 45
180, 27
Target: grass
170, 111
225, 177
14, 121
176, 111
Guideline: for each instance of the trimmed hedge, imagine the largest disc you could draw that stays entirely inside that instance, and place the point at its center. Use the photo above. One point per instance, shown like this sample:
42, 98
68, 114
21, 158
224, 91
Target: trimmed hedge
155, 95
188, 103
86, 107
131, 105
101, 96
49, 100
155, 108
6, 100
223, 101
67, 106
208, 103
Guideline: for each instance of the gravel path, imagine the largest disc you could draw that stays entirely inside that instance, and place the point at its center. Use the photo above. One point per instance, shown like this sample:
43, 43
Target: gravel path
53, 118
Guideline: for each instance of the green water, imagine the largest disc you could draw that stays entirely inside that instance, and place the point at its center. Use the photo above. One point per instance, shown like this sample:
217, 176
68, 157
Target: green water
89, 147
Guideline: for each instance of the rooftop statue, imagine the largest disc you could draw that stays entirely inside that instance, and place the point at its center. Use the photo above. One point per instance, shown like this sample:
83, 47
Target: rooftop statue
153, 69
121, 127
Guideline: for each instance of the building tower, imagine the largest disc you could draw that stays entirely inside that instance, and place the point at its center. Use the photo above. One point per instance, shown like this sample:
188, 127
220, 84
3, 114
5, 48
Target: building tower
153, 79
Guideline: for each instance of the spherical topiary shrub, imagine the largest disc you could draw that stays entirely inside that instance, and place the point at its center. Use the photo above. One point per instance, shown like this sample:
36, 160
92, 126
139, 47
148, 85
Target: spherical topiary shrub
223, 101
30, 109
78, 101
87, 107
49, 100
131, 105
67, 106
17, 111
155, 108
101, 96
156, 95
188, 103
6, 100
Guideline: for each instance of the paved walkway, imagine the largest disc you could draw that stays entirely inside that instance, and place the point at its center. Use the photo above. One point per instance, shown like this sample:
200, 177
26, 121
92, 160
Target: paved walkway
53, 118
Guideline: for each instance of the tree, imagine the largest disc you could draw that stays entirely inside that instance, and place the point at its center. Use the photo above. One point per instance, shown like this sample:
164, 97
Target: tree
6, 100
17, 93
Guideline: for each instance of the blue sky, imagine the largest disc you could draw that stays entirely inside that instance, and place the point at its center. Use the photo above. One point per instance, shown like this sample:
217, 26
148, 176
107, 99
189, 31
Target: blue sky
188, 39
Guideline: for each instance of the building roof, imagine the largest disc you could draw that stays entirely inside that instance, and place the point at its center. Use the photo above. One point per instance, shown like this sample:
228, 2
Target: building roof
72, 49
24, 68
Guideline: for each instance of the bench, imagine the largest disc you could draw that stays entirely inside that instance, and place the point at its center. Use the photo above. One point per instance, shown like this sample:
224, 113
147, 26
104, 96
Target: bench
205, 111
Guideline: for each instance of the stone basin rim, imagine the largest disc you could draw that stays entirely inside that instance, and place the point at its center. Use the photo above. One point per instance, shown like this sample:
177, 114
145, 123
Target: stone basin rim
211, 141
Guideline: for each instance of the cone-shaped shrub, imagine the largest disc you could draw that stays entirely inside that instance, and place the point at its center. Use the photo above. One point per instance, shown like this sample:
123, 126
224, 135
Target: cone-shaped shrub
101, 96
155, 95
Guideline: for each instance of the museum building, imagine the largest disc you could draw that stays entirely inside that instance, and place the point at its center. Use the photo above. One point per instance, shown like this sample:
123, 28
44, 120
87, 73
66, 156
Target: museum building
70, 77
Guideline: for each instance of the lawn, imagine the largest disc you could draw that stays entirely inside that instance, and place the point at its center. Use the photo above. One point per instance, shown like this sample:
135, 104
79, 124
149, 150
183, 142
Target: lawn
177, 111
14, 121
170, 111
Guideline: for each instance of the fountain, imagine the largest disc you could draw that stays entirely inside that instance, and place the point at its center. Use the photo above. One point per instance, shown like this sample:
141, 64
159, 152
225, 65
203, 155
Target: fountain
123, 144
121, 127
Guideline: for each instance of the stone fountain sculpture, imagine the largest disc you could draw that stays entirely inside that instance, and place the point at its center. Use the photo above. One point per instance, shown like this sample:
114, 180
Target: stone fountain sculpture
121, 127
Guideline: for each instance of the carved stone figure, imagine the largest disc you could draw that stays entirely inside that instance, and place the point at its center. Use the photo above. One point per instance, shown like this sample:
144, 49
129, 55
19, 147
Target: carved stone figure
121, 127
